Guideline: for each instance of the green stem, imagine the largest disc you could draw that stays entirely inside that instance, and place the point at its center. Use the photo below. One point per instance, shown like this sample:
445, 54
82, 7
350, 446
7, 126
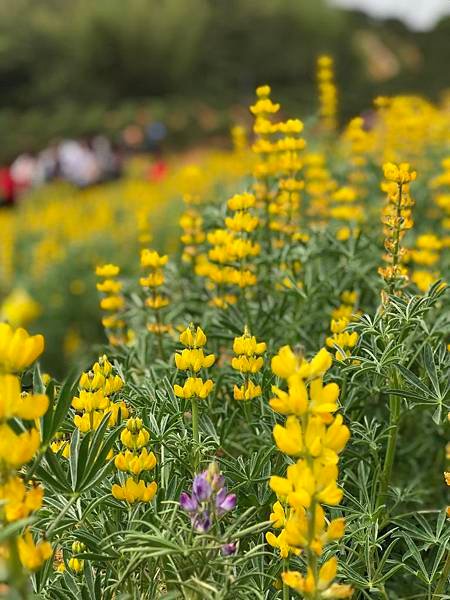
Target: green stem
394, 416
195, 433
443, 579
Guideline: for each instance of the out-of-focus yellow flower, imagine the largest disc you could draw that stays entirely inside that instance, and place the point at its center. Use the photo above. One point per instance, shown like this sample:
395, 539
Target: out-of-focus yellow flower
18, 349
32, 555
19, 308
14, 403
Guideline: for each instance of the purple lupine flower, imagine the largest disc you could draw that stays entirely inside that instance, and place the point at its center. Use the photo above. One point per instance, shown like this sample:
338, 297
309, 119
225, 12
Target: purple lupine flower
225, 502
229, 549
201, 488
202, 522
187, 503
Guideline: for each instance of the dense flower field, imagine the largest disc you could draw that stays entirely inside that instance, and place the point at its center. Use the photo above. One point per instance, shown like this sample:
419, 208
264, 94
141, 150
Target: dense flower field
269, 415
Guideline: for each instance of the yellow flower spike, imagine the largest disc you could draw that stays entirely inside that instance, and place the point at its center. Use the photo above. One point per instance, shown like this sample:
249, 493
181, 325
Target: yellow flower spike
32, 555
18, 349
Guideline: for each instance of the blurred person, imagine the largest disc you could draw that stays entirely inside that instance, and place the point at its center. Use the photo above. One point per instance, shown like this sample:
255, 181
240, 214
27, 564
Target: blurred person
107, 160
46, 165
23, 171
7, 188
78, 163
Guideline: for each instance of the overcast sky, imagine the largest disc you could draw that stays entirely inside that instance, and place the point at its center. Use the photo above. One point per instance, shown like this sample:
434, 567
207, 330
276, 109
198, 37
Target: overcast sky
417, 14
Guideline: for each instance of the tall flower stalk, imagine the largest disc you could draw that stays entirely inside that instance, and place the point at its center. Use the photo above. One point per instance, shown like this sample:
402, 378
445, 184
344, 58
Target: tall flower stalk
314, 435
191, 360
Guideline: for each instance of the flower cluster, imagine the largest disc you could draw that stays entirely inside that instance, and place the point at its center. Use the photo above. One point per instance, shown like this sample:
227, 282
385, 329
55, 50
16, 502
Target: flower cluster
397, 220
360, 144
112, 302
327, 93
134, 459
315, 436
192, 359
228, 264
248, 361
345, 211
343, 341
19, 498
208, 501
96, 391
441, 185
425, 258
319, 186
153, 283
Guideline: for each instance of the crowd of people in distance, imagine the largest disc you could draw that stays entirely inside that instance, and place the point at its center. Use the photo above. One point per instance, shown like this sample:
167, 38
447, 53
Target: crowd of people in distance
80, 162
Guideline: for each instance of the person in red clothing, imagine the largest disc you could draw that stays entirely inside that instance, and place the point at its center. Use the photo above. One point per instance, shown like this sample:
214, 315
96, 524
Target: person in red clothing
7, 191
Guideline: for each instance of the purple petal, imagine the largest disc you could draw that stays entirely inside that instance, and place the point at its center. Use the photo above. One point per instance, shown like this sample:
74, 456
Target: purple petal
201, 523
221, 496
227, 504
229, 549
187, 503
201, 488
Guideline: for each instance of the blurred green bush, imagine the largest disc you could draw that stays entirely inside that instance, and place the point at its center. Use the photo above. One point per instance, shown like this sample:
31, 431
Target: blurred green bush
69, 67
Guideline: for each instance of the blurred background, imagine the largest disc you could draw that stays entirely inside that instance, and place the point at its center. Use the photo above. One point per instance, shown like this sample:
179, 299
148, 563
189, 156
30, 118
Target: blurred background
74, 67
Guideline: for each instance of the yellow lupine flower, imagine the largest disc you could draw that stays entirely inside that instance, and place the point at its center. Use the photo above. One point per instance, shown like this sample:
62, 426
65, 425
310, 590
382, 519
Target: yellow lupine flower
279, 542
76, 564
193, 359
18, 449
247, 391
13, 403
18, 502
151, 258
18, 349
132, 492
109, 286
135, 463
193, 338
248, 345
32, 555
108, 270
194, 387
